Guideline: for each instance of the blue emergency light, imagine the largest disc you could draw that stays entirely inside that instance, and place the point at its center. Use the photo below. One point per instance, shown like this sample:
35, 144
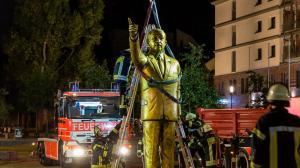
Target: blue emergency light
74, 86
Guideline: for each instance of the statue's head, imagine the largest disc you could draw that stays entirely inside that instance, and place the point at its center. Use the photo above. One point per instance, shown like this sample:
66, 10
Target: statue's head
156, 40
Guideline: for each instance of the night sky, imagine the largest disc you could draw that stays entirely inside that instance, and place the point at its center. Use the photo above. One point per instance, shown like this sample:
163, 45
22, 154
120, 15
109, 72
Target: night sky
194, 17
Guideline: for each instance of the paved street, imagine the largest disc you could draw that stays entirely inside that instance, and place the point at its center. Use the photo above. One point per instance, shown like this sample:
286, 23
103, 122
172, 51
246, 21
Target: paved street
29, 162
21, 152
24, 163
23, 149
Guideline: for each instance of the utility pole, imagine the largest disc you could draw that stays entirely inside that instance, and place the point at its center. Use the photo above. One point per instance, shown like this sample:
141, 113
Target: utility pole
268, 57
289, 64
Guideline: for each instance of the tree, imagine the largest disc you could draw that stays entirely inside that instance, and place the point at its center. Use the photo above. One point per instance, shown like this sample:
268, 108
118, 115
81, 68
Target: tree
4, 107
50, 43
98, 77
197, 87
255, 82
257, 89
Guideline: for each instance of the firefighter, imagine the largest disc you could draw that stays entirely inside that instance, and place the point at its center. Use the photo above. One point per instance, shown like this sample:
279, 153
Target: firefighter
98, 149
202, 140
121, 73
276, 138
160, 92
110, 141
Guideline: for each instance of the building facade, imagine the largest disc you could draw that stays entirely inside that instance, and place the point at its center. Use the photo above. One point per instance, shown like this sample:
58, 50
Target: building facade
258, 36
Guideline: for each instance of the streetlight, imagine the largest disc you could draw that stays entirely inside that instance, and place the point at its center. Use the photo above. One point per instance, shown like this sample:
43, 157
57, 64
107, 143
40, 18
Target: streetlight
231, 90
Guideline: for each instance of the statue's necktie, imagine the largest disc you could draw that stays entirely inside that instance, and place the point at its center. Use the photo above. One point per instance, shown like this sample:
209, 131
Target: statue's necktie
161, 65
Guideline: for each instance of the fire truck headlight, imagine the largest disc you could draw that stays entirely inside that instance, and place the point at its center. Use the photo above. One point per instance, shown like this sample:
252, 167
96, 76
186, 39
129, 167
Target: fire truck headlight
109, 126
78, 152
124, 150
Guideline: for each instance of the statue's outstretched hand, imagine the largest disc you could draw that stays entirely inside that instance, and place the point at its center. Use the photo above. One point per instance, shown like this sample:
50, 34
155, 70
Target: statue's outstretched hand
133, 29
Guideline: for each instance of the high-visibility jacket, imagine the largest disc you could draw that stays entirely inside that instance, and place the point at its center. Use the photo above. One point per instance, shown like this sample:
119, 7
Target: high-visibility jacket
276, 140
97, 155
204, 142
103, 148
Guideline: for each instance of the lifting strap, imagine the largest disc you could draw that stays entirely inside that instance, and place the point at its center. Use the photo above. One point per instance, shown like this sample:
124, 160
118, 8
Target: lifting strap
158, 85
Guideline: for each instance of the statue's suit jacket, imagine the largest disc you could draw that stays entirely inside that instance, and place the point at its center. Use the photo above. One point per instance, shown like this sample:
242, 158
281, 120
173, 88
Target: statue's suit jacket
154, 104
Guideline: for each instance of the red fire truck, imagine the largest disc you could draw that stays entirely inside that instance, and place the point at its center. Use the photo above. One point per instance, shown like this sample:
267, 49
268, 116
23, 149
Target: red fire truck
78, 112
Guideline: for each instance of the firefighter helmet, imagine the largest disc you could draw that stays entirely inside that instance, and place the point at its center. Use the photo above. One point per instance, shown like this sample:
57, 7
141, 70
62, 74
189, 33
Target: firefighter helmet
190, 116
277, 93
207, 128
97, 131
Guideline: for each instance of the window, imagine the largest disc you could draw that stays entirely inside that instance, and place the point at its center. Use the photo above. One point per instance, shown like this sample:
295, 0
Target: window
272, 79
233, 35
246, 85
298, 79
284, 78
258, 2
242, 86
234, 85
233, 61
221, 88
259, 54
273, 51
273, 23
259, 27
233, 10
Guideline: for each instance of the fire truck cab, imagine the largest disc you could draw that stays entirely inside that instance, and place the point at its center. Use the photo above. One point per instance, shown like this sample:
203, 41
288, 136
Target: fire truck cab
77, 114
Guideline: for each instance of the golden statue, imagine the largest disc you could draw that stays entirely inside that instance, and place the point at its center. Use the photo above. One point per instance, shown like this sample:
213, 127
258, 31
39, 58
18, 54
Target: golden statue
159, 111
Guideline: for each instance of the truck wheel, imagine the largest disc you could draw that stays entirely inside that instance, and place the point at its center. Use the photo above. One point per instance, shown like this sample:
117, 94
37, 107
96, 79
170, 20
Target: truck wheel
199, 160
243, 159
44, 160
42, 156
63, 164
62, 158
226, 159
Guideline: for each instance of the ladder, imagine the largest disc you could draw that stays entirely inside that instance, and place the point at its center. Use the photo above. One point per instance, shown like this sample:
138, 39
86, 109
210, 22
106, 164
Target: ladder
183, 148
126, 119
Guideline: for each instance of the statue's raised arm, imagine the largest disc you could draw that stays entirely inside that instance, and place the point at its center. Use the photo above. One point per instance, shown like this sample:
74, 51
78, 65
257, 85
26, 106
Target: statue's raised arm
138, 58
